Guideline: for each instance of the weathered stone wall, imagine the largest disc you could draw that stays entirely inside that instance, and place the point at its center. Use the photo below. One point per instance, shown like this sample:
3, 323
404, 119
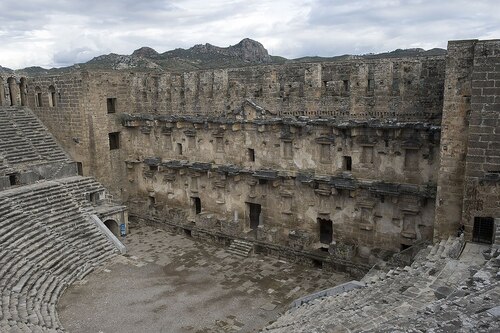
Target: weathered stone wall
403, 89
482, 169
457, 95
364, 156
469, 174
65, 112
299, 174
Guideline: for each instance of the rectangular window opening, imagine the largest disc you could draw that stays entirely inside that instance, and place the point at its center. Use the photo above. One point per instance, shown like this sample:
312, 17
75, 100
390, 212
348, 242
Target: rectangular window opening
14, 179
79, 167
179, 148
325, 231
114, 140
346, 85
251, 154
197, 205
111, 105
38, 99
348, 163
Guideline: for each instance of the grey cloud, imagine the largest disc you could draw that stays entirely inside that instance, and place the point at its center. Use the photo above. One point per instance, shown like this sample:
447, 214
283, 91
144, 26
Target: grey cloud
75, 31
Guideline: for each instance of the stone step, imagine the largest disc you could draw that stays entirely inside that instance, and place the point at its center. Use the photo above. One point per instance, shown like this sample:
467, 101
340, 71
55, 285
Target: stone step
240, 248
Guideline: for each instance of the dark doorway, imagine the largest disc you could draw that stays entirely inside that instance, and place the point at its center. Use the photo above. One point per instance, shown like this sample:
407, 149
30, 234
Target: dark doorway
325, 231
255, 210
483, 230
348, 163
197, 205
112, 225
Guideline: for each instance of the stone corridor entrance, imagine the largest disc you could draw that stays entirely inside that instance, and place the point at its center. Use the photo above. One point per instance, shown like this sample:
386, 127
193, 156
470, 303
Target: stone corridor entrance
254, 215
483, 230
113, 226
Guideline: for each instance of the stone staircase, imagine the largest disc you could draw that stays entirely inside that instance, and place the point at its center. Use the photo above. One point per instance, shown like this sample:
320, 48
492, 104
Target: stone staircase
46, 243
25, 140
390, 297
240, 248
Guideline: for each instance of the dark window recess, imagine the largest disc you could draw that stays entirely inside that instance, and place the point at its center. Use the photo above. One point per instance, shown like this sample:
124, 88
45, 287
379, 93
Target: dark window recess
79, 167
371, 85
325, 231
111, 105
483, 230
197, 205
188, 233
348, 163
114, 140
251, 154
262, 181
14, 179
346, 85
52, 96
179, 149
255, 210
94, 197
317, 263
153, 168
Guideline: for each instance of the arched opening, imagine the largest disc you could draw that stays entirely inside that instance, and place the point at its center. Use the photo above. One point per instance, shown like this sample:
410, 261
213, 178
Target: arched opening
13, 91
52, 96
38, 97
24, 91
113, 226
2, 92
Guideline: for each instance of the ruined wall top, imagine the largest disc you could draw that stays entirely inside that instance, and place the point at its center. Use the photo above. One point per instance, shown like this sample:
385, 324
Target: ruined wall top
400, 89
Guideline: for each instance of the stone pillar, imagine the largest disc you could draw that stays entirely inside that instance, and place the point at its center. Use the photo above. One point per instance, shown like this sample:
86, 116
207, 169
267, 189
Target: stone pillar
456, 106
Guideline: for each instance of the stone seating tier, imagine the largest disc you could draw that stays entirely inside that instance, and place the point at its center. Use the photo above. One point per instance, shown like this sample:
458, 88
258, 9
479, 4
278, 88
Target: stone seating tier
396, 297
25, 140
46, 242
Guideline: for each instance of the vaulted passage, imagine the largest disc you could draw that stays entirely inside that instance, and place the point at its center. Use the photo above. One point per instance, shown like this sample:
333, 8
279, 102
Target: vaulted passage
113, 226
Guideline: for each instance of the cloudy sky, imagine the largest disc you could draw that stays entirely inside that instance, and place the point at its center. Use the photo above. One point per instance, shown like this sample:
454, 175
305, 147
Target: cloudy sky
55, 33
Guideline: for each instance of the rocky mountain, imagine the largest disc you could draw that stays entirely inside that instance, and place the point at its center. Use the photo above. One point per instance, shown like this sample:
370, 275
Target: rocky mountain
247, 52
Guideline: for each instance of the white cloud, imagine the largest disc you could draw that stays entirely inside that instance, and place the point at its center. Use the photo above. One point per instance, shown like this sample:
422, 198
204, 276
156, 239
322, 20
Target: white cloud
62, 32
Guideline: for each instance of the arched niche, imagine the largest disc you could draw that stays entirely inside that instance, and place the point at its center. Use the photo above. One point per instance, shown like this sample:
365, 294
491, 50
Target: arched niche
23, 91
113, 226
13, 91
